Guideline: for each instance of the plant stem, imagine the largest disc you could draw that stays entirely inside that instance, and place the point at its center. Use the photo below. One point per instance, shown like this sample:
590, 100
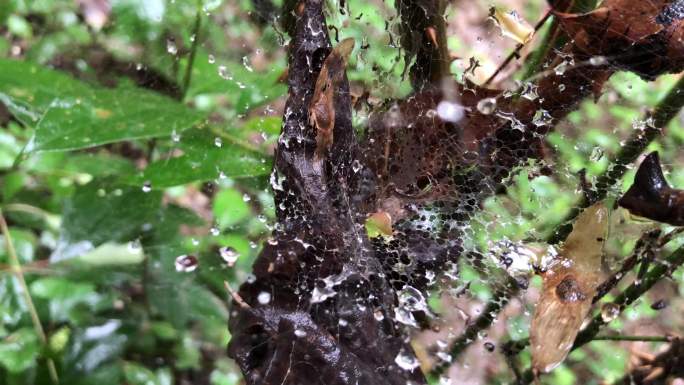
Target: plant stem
489, 313
633, 338
193, 51
15, 265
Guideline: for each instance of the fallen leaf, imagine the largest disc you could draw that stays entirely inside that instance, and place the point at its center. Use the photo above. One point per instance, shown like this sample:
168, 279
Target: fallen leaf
568, 289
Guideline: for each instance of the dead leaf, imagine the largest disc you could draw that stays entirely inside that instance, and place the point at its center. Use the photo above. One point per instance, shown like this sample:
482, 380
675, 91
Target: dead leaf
568, 289
321, 108
512, 25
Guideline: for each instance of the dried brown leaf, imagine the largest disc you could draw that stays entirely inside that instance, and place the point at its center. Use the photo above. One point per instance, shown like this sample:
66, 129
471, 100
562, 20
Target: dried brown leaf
568, 289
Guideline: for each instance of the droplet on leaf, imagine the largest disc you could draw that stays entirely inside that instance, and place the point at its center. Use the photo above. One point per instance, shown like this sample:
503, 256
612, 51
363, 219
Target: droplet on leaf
223, 72
171, 47
186, 263
229, 255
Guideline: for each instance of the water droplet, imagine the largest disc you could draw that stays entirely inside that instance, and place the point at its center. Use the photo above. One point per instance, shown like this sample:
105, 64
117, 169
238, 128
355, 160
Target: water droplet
406, 361
450, 111
171, 46
529, 91
186, 263
486, 106
598, 60
147, 187
175, 136
561, 68
356, 165
659, 304
229, 255
609, 312
596, 154
134, 246
214, 231
211, 59
245, 63
223, 72
246, 198
264, 298
218, 142
412, 299
542, 118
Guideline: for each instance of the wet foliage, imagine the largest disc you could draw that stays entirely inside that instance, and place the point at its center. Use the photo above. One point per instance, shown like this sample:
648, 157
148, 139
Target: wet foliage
340, 192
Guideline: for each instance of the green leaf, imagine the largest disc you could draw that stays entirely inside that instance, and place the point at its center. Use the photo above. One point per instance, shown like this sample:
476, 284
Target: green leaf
19, 350
244, 89
229, 208
99, 213
68, 114
92, 347
139, 375
111, 253
12, 307
64, 295
202, 160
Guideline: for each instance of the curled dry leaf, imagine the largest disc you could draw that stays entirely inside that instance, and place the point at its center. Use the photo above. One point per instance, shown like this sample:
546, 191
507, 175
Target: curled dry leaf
641, 36
650, 195
568, 289
322, 109
512, 25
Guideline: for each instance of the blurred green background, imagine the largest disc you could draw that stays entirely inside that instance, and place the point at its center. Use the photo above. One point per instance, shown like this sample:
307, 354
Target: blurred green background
134, 133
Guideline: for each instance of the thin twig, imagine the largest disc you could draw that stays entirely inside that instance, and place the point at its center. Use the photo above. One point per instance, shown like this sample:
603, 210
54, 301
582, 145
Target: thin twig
644, 244
489, 313
193, 51
633, 338
18, 272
